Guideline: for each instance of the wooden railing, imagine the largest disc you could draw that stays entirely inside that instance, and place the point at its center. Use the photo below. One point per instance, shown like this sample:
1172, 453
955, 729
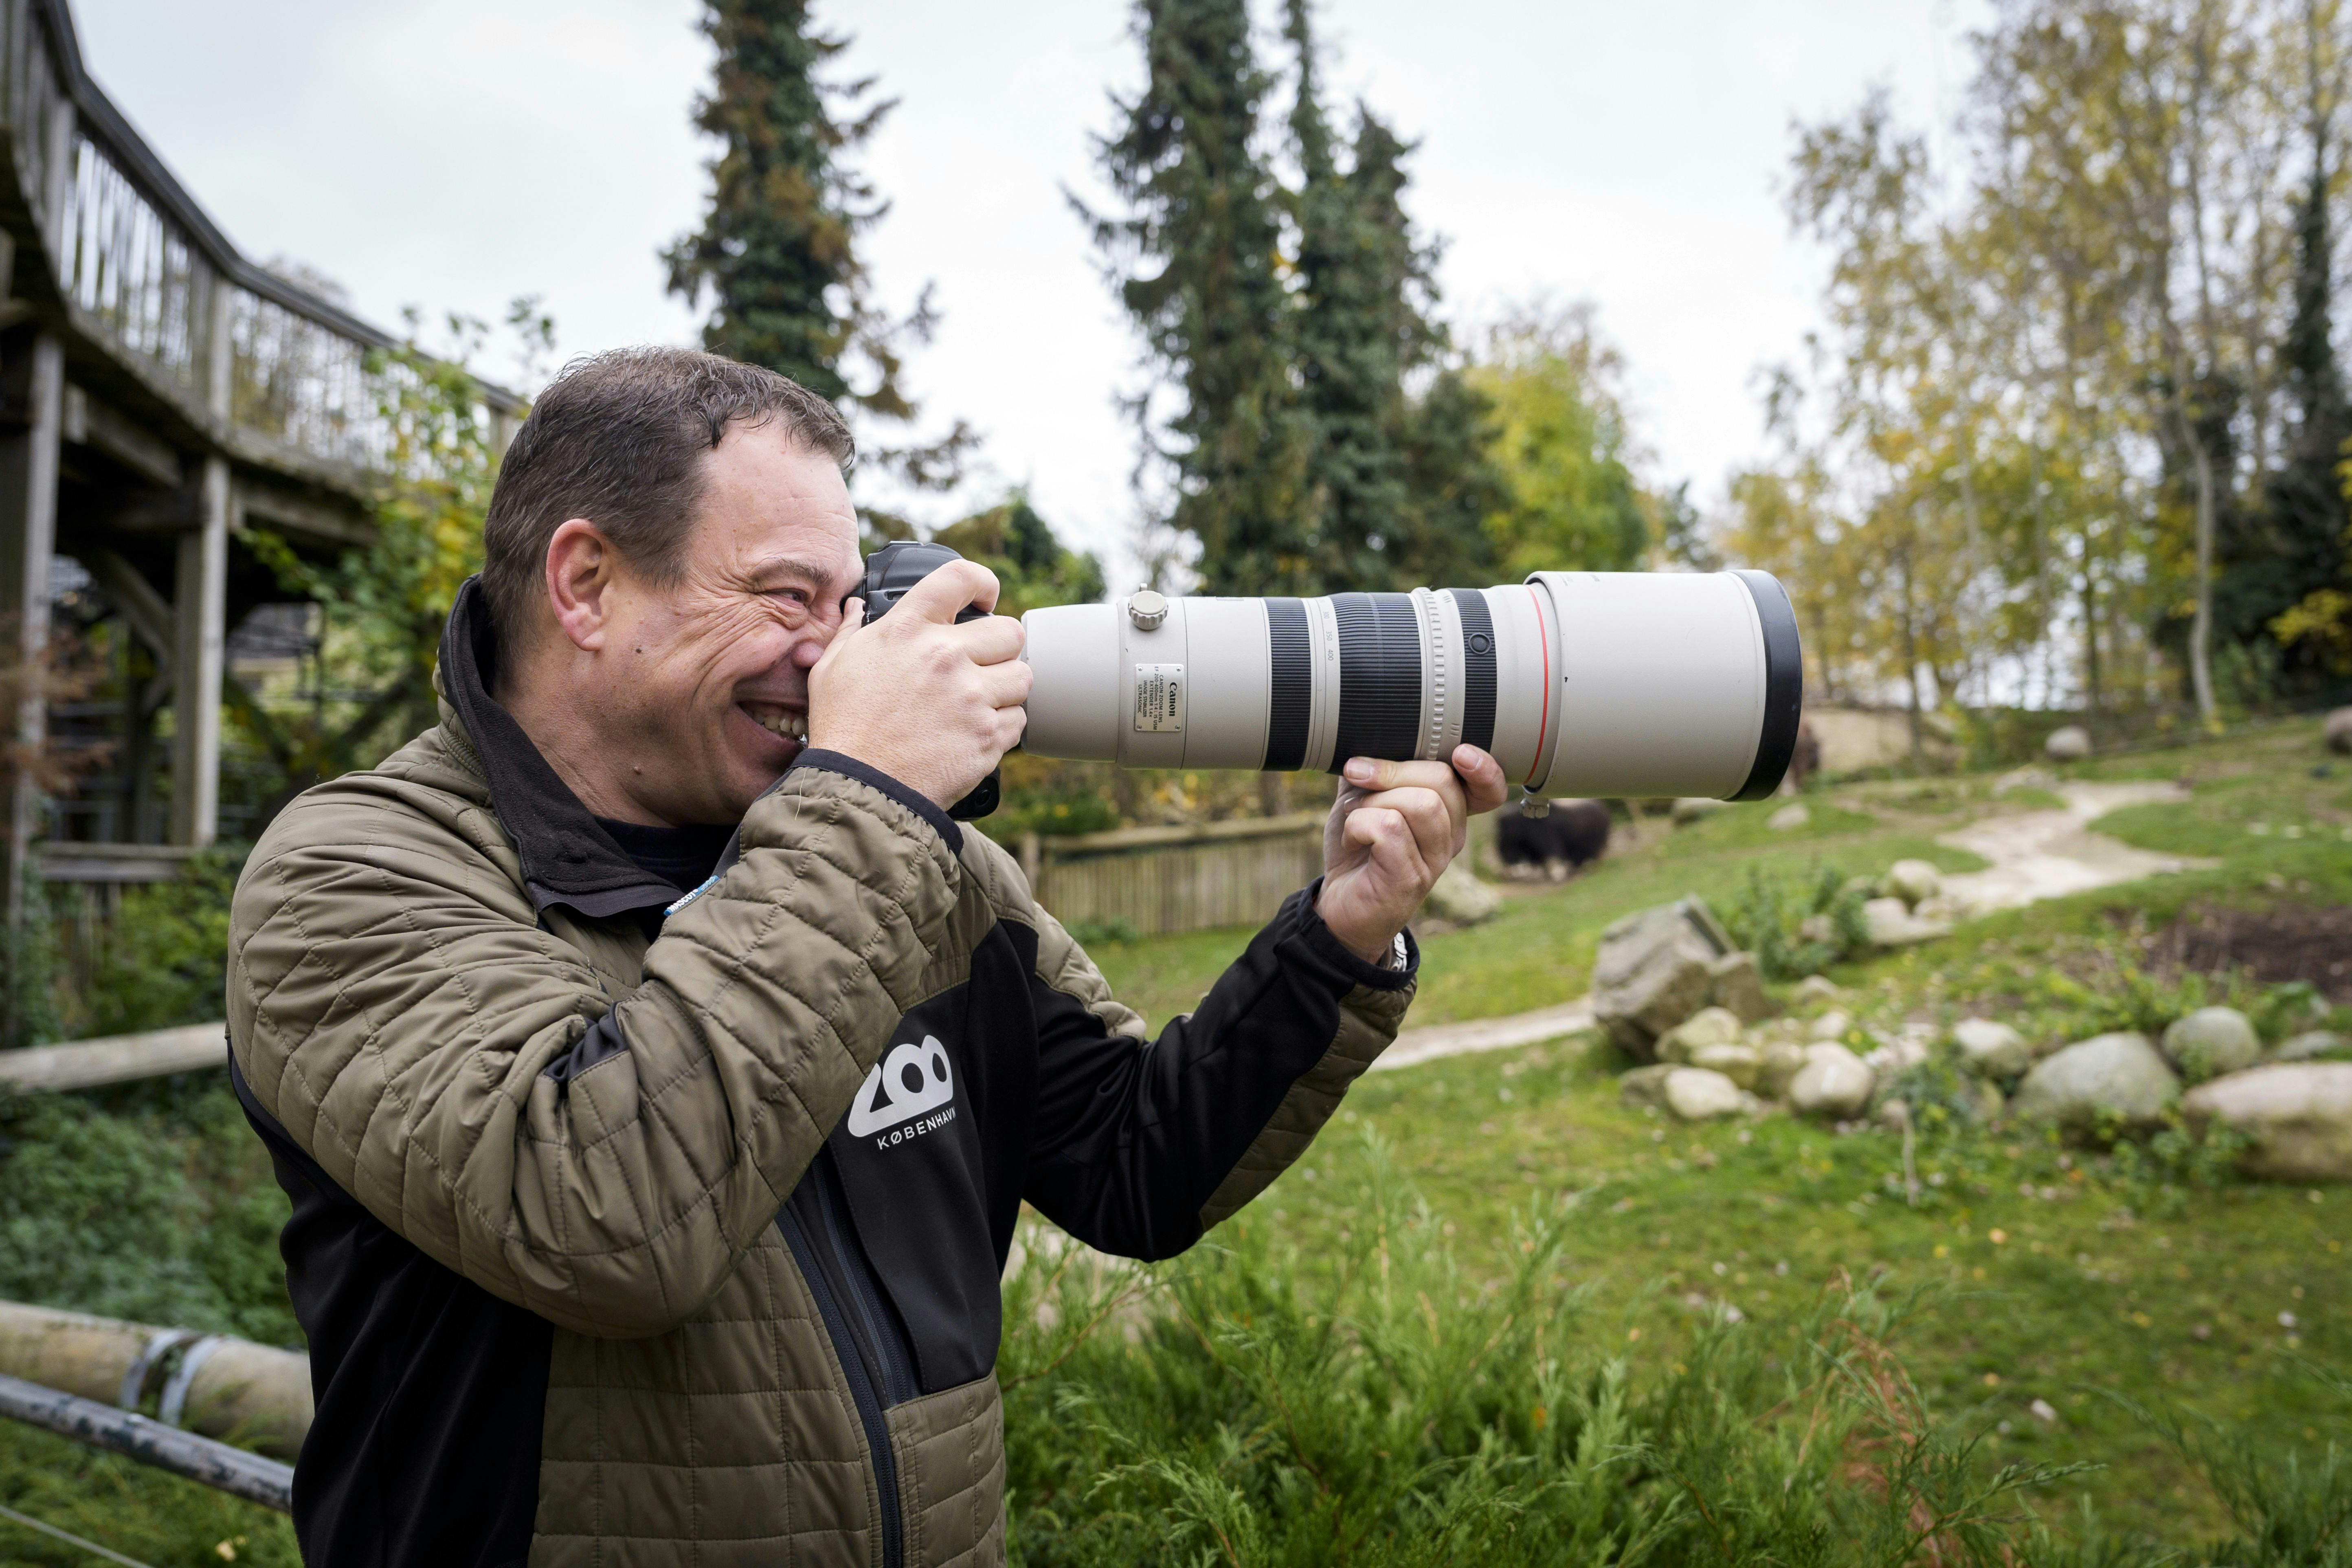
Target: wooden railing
263, 367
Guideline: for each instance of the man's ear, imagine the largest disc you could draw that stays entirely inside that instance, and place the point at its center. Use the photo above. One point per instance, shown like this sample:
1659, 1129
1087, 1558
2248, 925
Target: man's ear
582, 570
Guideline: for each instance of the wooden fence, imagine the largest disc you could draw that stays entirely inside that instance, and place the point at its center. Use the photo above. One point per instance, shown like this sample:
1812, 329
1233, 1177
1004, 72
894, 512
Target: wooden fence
1157, 882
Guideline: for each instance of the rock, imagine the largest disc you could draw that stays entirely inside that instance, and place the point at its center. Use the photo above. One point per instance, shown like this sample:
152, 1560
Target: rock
1645, 1086
1898, 1055
2023, 778
1782, 1060
1817, 988
1832, 1083
1940, 910
1694, 808
1991, 1049
2211, 1041
1831, 1025
1895, 1113
1735, 983
2119, 1076
1891, 924
1653, 972
1988, 1104
1695, 1094
1788, 818
1740, 1062
2337, 731
2311, 1046
1708, 1026
1912, 880
2069, 744
1462, 898
1819, 929
2298, 1114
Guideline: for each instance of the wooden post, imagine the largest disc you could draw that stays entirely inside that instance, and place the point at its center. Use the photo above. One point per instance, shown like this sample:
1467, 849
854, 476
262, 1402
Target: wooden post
28, 535
200, 614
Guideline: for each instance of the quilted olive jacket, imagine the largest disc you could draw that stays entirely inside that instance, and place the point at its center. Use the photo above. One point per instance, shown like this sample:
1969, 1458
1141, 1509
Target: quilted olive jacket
633, 1228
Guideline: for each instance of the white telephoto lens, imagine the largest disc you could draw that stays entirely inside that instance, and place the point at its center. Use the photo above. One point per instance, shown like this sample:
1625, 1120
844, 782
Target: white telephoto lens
1580, 683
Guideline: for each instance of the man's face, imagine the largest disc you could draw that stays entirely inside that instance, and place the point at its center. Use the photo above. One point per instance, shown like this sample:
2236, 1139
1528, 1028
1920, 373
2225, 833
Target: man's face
706, 679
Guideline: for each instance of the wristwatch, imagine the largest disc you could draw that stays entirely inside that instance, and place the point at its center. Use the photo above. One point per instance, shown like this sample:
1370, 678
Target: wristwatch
1399, 958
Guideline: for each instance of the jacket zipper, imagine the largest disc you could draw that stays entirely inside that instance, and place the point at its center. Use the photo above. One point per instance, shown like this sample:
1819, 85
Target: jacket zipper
867, 1336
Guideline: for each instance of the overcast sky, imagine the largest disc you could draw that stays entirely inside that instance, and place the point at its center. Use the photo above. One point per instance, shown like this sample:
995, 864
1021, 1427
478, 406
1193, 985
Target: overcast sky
455, 154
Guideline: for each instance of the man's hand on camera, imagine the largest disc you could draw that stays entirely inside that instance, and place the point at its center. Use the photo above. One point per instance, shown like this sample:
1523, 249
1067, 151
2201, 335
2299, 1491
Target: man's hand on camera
930, 702
1395, 827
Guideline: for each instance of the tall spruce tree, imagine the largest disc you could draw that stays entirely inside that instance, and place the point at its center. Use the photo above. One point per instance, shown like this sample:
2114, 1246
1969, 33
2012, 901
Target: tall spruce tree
1196, 254
777, 252
2289, 578
1357, 328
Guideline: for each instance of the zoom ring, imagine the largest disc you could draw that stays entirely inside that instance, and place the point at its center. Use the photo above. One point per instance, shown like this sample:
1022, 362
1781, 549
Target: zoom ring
1380, 677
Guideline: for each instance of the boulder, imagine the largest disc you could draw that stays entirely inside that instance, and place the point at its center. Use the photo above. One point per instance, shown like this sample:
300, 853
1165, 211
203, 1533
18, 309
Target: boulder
2069, 744
1694, 808
1817, 988
1898, 1055
1832, 1083
1788, 818
1912, 880
1782, 1061
2337, 731
1891, 924
1695, 1094
1831, 1025
1461, 897
1987, 1105
1820, 929
2119, 1076
1991, 1049
1708, 1026
2311, 1046
2211, 1041
1740, 1062
1645, 1086
2298, 1114
1735, 983
1653, 971
1943, 908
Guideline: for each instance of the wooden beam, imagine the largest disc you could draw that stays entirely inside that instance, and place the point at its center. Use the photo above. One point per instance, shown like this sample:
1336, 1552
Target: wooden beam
28, 535
99, 425
314, 522
147, 611
200, 614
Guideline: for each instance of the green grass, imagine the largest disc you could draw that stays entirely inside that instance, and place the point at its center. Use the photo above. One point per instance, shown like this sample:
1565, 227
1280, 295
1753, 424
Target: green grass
2067, 1276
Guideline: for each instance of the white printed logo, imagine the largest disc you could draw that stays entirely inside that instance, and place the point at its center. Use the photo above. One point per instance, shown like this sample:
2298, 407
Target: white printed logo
911, 1080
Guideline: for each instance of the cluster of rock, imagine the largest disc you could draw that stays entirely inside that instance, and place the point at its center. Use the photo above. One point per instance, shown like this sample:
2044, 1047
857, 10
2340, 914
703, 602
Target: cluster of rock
1674, 996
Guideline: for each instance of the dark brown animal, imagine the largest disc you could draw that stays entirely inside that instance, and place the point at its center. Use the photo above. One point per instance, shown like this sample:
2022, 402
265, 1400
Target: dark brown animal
1574, 833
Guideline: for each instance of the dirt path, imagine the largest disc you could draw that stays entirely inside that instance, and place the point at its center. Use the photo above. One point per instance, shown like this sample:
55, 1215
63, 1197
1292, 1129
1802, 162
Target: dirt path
2049, 854
2035, 855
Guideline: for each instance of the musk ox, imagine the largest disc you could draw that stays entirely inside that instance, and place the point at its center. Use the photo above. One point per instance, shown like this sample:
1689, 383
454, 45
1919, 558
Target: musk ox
1575, 833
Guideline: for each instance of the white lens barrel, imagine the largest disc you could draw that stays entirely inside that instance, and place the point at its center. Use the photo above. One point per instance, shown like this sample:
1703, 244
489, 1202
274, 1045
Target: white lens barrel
1580, 683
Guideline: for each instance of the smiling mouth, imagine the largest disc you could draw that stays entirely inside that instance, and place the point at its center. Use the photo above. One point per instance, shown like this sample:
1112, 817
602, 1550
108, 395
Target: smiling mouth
778, 722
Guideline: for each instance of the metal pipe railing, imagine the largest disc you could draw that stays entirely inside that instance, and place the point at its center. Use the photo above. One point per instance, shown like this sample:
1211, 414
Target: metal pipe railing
150, 1442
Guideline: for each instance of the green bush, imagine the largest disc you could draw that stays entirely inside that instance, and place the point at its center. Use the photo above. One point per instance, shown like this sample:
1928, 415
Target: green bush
1773, 916
166, 953
163, 1209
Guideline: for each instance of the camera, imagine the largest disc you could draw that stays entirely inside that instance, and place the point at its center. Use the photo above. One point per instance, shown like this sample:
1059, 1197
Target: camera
1579, 683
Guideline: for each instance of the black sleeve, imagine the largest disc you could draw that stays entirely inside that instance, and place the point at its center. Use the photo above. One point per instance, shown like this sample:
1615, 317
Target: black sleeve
1133, 1137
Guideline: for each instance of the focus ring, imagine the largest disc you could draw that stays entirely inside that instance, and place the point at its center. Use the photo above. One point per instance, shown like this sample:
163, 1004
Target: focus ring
1380, 677
1478, 668
1290, 698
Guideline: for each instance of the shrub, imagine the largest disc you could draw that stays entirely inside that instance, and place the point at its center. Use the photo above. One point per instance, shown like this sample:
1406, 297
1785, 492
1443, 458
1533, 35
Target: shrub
1796, 923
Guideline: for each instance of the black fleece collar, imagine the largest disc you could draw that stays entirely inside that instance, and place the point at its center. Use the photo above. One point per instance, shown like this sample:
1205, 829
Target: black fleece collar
567, 858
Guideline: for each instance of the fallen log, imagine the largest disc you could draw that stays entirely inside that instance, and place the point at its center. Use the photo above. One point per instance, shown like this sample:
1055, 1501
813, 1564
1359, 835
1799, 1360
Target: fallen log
114, 1058
211, 1384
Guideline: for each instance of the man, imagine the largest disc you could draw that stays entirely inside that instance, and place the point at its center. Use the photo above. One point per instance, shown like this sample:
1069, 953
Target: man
657, 1070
